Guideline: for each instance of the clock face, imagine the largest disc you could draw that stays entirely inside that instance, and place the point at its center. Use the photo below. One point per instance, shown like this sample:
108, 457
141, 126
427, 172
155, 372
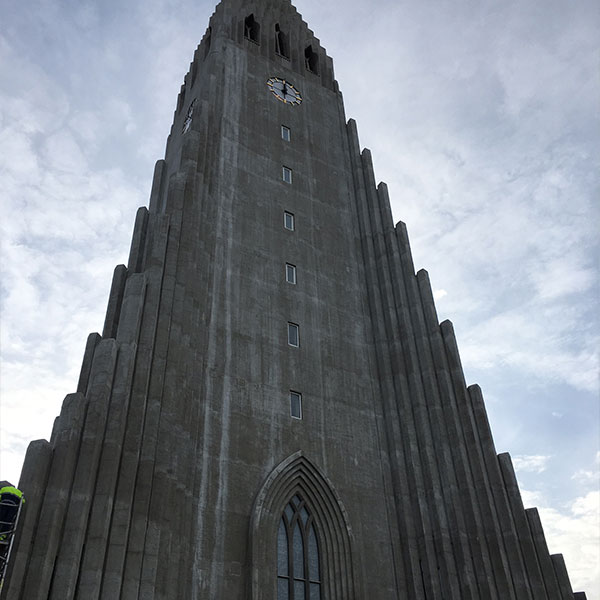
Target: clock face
283, 90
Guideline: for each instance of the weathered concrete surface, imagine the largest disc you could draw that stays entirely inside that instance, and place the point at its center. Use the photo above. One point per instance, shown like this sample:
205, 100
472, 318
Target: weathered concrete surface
169, 470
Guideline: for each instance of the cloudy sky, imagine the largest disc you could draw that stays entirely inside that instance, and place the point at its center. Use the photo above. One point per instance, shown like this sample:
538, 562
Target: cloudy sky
483, 119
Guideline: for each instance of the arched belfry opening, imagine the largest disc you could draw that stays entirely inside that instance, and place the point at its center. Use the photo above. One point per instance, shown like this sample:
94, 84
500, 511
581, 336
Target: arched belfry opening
281, 43
300, 537
252, 29
311, 60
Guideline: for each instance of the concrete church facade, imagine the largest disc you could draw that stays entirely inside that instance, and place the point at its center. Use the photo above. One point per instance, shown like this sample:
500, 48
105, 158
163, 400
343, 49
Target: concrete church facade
272, 411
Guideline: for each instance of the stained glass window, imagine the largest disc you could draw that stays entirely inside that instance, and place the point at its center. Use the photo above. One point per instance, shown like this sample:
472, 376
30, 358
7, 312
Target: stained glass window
298, 572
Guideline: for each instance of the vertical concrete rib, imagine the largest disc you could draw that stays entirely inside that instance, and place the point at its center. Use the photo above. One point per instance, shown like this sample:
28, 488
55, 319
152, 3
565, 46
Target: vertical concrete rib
138, 241
133, 309
115, 300
456, 439
512, 553
47, 537
123, 508
417, 344
143, 554
92, 562
483, 526
172, 472
405, 493
532, 566
539, 540
33, 482
566, 591
75, 526
158, 187
88, 357
411, 359
194, 279
427, 569
453, 554
476, 498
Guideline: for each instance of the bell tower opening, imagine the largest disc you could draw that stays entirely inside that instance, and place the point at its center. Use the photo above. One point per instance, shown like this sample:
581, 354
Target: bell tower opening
311, 59
252, 29
281, 45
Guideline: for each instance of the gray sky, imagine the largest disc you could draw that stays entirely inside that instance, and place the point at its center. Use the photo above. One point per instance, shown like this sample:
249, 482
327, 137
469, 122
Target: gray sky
483, 119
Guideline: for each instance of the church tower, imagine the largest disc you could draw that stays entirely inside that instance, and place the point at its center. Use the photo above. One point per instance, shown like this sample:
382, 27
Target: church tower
272, 411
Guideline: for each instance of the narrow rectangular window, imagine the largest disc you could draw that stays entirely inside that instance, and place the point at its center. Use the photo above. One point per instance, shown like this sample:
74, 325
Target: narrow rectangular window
289, 221
290, 273
286, 134
296, 405
293, 335
287, 174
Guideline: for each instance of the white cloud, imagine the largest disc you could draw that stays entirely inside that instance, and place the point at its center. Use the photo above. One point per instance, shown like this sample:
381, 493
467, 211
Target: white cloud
67, 224
532, 464
589, 477
61, 152
573, 530
586, 477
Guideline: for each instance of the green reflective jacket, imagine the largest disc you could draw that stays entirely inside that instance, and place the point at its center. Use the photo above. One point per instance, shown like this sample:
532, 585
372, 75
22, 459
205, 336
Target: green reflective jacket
9, 489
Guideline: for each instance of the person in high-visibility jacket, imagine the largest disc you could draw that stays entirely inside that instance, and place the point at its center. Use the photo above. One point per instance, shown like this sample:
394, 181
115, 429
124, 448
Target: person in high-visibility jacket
10, 501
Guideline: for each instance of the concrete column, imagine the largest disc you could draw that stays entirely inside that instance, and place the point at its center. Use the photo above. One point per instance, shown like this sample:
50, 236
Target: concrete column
173, 427
75, 525
533, 573
454, 424
121, 524
138, 241
404, 493
34, 477
484, 530
115, 300
47, 537
512, 551
440, 558
88, 356
158, 183
541, 548
454, 568
132, 309
143, 550
92, 561
564, 584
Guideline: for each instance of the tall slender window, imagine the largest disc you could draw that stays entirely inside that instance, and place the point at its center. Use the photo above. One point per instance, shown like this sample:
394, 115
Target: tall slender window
298, 572
286, 174
311, 60
296, 405
252, 29
293, 334
290, 273
289, 221
281, 46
